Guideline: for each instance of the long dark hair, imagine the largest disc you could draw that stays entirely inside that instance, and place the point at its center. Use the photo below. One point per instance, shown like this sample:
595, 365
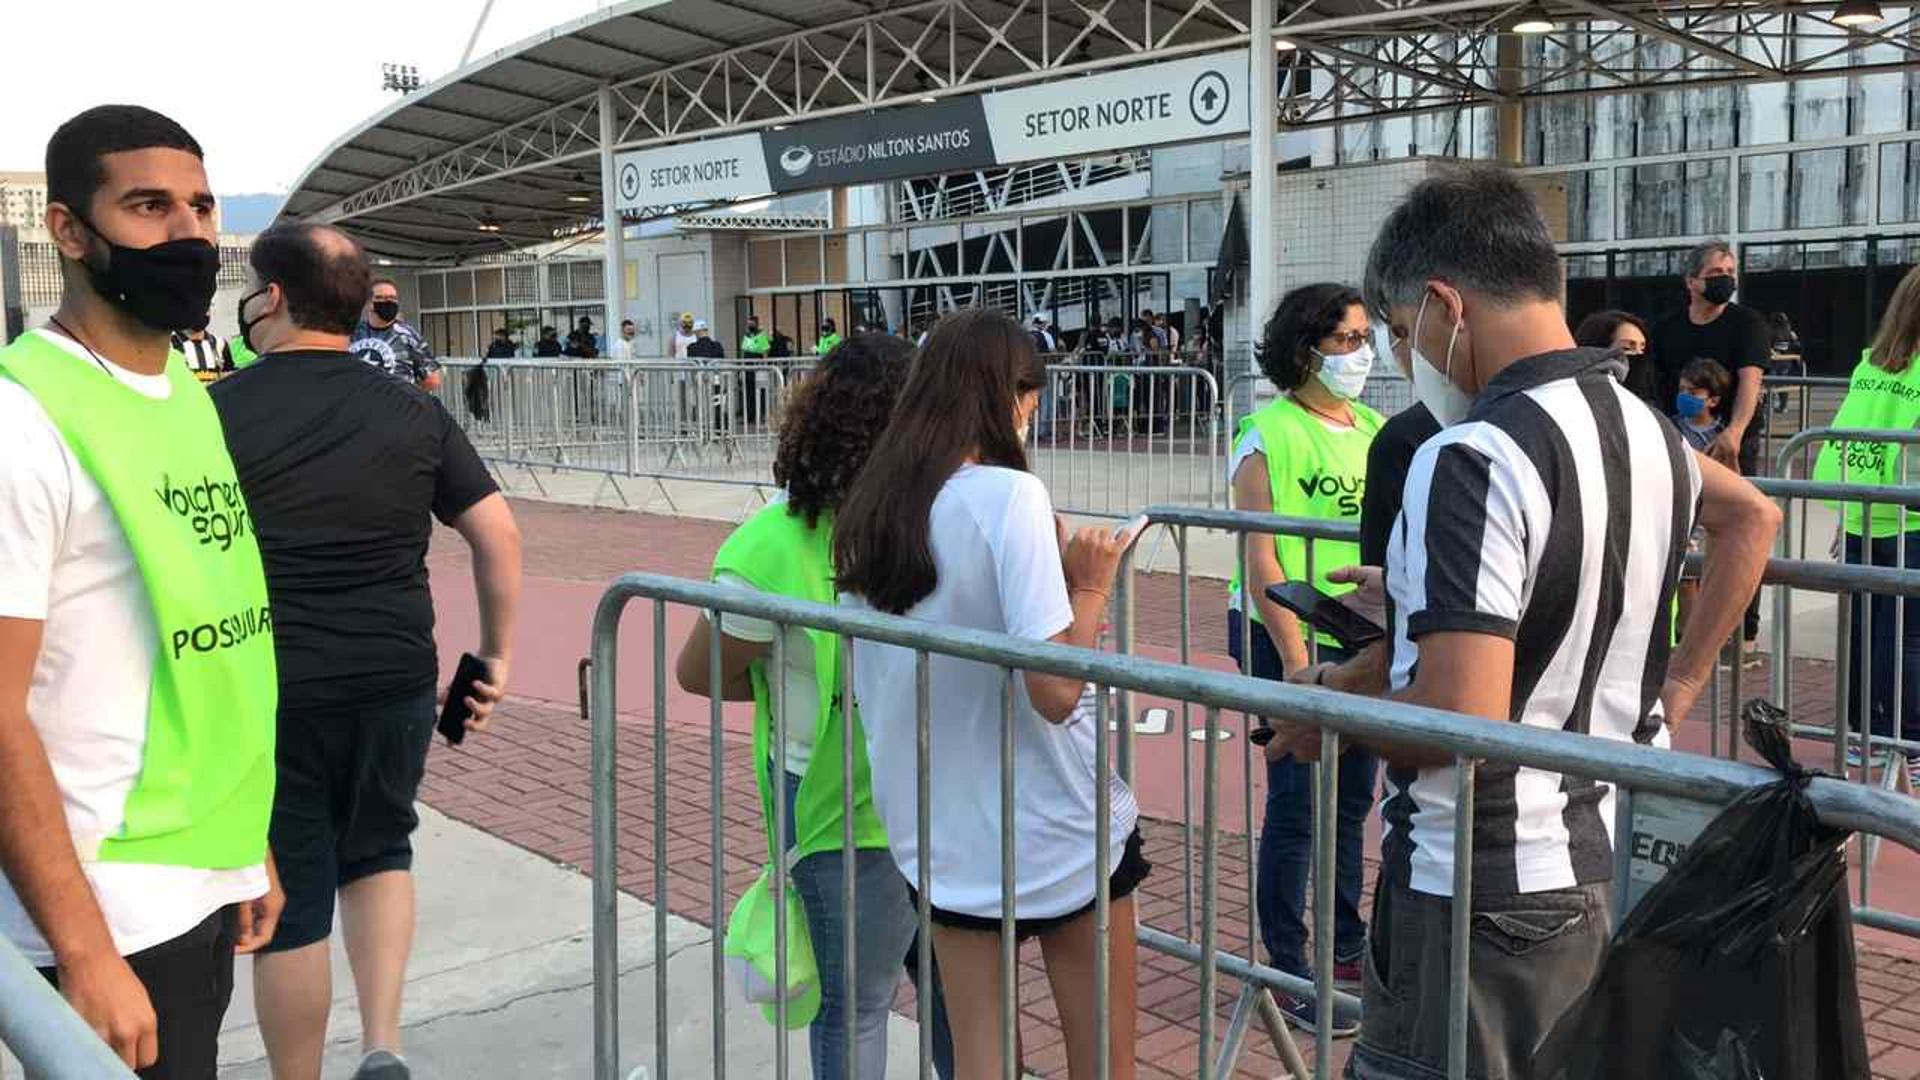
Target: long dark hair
958, 403
1596, 330
833, 419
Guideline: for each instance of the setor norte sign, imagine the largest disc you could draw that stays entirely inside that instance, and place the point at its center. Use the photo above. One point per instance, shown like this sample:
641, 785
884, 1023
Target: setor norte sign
1187, 100
1202, 97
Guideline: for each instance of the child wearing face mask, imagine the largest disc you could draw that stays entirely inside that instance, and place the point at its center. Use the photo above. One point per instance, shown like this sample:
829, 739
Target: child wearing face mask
1704, 384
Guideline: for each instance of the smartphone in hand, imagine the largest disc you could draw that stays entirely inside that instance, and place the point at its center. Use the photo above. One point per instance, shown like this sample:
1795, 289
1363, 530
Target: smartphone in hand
1326, 614
454, 713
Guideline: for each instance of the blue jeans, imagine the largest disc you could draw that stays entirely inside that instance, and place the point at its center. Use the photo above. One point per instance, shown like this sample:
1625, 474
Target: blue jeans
885, 925
1885, 649
1286, 833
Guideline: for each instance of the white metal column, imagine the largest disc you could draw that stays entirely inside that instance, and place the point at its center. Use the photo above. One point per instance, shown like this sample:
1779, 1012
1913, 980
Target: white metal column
1262, 95
614, 259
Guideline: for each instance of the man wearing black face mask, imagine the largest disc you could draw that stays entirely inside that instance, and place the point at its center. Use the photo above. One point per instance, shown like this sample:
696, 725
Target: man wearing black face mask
384, 341
1737, 336
137, 678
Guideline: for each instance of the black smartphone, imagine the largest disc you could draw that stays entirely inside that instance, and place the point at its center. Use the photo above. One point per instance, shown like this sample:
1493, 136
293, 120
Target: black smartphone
1322, 612
454, 714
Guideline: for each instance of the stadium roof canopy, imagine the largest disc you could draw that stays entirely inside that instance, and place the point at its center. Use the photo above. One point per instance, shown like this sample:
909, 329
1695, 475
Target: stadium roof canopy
504, 152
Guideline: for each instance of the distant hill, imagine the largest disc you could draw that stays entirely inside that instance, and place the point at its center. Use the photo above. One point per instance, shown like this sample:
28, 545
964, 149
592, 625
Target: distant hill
248, 213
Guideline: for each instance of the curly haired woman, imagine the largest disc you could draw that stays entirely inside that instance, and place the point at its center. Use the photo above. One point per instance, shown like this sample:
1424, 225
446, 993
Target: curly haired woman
787, 548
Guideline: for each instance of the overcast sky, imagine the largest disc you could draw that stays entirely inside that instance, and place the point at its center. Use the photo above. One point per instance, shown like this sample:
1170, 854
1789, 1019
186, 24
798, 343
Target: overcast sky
264, 86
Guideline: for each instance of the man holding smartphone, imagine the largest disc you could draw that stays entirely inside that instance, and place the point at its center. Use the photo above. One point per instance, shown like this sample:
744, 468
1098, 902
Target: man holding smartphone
344, 470
1512, 600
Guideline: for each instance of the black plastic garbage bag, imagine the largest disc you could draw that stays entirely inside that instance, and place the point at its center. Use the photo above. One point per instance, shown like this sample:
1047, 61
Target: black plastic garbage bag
1739, 964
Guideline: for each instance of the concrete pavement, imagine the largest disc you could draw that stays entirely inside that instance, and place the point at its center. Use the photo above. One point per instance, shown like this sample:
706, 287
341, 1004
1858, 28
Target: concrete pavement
501, 982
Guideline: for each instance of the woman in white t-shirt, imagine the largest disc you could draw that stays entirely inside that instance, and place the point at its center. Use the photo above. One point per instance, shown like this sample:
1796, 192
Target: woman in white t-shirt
946, 524
787, 549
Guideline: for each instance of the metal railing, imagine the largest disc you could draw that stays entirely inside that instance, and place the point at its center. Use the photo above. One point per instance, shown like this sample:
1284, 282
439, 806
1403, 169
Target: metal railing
1634, 769
40, 1029
1107, 438
1782, 575
637, 420
1857, 623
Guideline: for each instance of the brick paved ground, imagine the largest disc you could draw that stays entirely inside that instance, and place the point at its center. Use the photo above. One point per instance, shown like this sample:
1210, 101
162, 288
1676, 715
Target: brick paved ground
527, 783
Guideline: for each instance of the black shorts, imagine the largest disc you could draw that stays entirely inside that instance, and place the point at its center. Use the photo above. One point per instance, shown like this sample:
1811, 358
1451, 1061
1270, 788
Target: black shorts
189, 980
343, 807
1126, 877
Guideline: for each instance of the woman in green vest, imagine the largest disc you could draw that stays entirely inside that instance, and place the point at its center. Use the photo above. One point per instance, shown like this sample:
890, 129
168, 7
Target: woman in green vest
787, 548
1305, 455
1884, 395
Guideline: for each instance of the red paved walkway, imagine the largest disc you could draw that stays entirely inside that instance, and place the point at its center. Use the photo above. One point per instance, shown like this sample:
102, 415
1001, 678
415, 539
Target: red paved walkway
527, 781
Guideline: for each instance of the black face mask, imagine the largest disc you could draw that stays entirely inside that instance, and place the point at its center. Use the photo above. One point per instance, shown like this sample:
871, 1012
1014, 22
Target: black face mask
246, 326
386, 310
168, 286
1717, 289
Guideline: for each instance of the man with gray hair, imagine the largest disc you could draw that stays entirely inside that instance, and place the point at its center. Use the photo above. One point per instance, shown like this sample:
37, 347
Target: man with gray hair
1528, 580
1714, 327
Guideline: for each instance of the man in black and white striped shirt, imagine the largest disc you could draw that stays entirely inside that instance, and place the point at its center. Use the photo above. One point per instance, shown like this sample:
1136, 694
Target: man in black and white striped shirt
1529, 579
203, 349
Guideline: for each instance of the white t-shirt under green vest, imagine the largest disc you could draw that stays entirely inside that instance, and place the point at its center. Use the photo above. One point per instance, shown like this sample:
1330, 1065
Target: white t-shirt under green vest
64, 561
803, 686
1328, 458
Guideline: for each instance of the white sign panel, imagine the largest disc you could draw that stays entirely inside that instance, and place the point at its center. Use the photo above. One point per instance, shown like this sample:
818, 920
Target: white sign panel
1203, 97
698, 172
1663, 829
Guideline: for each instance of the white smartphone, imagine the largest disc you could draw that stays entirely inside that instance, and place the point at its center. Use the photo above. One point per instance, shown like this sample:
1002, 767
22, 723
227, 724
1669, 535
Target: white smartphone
1130, 528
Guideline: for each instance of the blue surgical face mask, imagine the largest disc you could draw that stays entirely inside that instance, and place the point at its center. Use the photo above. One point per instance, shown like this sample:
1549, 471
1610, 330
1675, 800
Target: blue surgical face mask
1689, 406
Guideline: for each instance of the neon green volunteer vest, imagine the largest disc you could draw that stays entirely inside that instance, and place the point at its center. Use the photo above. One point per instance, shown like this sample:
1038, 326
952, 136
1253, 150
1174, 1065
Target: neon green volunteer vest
206, 777
243, 357
759, 344
1312, 472
777, 553
1877, 400
826, 344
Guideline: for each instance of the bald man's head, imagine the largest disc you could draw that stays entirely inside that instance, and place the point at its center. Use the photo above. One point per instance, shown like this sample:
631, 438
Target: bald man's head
322, 274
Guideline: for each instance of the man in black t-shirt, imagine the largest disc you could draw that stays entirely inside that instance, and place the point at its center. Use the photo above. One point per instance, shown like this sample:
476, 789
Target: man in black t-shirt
581, 344
344, 470
1714, 327
1711, 326
1389, 458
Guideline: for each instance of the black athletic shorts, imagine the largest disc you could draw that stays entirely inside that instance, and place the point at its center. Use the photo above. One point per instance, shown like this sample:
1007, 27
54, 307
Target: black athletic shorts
189, 981
1125, 878
343, 807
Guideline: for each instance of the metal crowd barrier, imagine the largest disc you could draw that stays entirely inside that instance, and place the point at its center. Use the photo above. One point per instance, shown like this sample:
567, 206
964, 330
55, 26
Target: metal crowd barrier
1107, 439
1852, 736
636, 420
1632, 768
40, 1029
1782, 574
1812, 398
